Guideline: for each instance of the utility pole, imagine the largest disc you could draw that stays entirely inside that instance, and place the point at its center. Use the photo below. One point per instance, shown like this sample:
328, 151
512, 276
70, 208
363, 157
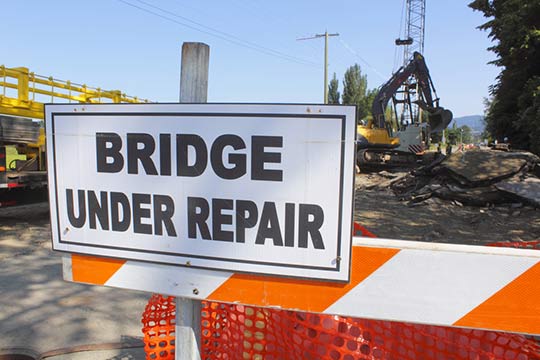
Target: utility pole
325, 35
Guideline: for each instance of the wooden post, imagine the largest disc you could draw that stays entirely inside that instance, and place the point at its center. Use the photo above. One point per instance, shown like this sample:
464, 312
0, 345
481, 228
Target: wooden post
193, 89
194, 73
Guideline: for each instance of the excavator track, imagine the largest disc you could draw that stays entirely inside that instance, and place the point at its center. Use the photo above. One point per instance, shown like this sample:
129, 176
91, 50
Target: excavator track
375, 158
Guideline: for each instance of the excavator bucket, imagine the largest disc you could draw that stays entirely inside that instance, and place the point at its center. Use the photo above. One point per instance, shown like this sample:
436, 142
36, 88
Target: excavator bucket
440, 119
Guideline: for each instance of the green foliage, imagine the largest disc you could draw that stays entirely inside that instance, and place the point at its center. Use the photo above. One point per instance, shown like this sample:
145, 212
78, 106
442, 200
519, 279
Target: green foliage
457, 135
389, 114
452, 136
514, 110
467, 136
436, 137
333, 93
370, 96
355, 91
529, 116
486, 135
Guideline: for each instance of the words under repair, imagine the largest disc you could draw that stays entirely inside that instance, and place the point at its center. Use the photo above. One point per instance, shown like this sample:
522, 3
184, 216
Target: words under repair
229, 157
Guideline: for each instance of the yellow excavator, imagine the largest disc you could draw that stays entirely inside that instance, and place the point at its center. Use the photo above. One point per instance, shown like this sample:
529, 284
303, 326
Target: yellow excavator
381, 143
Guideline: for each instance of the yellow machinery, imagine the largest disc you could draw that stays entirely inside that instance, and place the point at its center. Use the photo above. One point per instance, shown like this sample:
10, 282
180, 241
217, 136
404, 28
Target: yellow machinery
377, 136
31, 91
22, 139
381, 147
377, 144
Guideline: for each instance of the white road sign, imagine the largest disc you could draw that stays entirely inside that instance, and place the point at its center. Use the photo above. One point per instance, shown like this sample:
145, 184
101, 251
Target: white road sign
246, 188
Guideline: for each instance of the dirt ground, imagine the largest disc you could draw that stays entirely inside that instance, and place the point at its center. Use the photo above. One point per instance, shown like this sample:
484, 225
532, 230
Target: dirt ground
436, 220
40, 313
379, 210
24, 229
31, 271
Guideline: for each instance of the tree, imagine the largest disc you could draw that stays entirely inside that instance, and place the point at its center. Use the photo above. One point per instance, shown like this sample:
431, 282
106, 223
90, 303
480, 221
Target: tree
466, 134
486, 135
436, 137
370, 96
529, 117
514, 110
452, 135
355, 91
333, 93
457, 135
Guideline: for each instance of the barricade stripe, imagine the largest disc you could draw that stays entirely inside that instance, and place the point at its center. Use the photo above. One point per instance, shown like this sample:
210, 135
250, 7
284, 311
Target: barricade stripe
515, 305
166, 279
94, 270
431, 287
293, 293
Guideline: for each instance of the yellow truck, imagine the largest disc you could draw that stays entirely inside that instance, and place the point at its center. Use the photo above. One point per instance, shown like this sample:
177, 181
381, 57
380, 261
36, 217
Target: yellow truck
23, 176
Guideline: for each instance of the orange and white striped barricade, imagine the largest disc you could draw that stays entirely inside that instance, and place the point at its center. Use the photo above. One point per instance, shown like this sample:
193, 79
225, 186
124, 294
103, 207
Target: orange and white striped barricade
252, 204
439, 284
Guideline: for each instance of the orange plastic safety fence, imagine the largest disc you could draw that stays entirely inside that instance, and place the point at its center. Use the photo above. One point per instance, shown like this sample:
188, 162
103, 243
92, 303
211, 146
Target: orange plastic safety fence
242, 332
359, 230
522, 244
158, 321
231, 332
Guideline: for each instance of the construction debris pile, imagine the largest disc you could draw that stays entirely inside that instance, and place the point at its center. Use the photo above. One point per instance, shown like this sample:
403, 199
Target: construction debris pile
477, 178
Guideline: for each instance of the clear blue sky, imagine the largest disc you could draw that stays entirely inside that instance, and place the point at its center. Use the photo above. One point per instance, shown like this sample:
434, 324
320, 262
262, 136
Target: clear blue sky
111, 44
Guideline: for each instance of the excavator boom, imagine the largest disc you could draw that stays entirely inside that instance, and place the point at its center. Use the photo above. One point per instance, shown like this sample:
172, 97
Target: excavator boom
438, 117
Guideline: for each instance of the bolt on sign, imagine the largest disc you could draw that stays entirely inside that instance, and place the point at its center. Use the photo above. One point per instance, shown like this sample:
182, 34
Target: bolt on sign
263, 189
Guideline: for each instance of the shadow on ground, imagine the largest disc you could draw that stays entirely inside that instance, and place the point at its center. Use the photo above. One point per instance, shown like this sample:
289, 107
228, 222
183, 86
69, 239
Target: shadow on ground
42, 312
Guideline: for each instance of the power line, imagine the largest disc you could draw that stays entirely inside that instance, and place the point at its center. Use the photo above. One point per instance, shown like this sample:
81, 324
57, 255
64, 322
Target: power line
216, 33
279, 53
282, 21
352, 51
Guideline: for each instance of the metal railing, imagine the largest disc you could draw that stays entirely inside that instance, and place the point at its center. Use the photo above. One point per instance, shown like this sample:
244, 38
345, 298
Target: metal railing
23, 93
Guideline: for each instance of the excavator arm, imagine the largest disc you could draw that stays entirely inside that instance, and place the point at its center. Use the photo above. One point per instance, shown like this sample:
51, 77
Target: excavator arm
438, 117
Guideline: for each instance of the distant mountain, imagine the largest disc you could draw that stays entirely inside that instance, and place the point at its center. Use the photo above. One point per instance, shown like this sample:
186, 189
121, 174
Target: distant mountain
475, 122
